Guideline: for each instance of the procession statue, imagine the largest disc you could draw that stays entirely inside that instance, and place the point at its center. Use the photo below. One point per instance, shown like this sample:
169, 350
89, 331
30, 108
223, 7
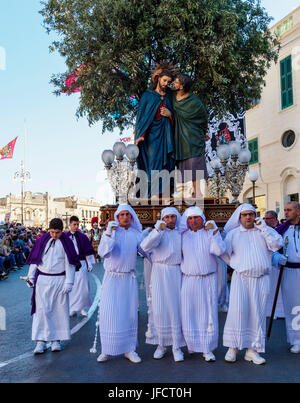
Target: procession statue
170, 132
154, 128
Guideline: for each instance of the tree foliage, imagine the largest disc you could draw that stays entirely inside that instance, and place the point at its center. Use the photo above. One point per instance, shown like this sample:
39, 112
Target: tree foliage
225, 46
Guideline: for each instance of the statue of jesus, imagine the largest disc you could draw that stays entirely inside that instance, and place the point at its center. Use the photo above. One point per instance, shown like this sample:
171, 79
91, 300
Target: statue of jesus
154, 128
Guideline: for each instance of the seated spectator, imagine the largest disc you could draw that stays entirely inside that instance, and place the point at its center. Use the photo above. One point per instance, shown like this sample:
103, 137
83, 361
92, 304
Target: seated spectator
3, 272
8, 256
24, 246
17, 250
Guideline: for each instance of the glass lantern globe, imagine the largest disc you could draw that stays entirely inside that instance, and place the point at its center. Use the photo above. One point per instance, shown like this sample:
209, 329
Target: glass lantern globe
244, 156
119, 149
223, 152
235, 148
253, 176
132, 152
108, 157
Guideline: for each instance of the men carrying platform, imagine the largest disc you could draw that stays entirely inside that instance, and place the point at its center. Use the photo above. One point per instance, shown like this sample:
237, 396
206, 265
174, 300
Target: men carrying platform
249, 246
164, 320
199, 292
118, 307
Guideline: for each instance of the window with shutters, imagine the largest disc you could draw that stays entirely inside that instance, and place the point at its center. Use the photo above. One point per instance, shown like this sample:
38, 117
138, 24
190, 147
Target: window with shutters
253, 148
285, 26
287, 98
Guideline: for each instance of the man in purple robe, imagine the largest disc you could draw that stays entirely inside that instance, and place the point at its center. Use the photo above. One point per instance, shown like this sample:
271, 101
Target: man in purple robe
51, 274
79, 297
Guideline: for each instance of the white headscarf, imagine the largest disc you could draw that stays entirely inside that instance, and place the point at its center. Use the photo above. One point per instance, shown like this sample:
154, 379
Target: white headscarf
234, 220
189, 212
135, 222
171, 210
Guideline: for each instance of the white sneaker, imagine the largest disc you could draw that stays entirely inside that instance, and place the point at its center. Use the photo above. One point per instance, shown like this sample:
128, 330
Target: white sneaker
159, 352
295, 349
73, 313
133, 357
55, 346
209, 357
252, 355
83, 312
102, 358
178, 355
231, 355
40, 347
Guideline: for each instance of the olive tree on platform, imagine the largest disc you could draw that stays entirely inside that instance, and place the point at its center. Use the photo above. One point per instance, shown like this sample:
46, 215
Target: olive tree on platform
111, 46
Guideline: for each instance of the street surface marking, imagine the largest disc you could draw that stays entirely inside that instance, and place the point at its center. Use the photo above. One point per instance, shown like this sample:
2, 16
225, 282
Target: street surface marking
73, 331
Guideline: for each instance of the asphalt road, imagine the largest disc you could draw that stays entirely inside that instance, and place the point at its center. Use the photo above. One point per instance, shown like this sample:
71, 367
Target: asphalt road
76, 364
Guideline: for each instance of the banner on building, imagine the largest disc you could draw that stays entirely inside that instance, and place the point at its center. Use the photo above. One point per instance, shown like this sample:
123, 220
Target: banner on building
8, 151
126, 139
221, 131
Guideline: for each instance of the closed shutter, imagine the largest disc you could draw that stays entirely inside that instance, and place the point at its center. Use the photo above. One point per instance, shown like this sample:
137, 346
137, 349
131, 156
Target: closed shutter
287, 98
253, 148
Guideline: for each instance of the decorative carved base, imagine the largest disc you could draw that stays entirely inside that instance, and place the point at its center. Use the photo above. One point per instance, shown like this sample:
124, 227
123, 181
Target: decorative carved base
218, 210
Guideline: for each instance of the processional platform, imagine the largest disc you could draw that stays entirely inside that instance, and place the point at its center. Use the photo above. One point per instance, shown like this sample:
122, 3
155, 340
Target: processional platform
148, 212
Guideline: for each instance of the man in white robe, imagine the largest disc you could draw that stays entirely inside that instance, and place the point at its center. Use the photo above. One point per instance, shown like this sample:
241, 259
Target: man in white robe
249, 246
199, 292
164, 319
53, 278
118, 307
290, 283
79, 297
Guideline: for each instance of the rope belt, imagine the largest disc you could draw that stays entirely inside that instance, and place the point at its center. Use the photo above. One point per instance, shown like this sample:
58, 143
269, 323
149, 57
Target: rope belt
117, 273
290, 265
198, 275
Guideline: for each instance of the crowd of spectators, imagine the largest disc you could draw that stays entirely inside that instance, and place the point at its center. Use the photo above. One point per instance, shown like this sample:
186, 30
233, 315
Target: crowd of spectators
16, 242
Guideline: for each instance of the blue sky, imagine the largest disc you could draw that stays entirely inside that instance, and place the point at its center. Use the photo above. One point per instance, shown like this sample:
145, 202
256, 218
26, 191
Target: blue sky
63, 153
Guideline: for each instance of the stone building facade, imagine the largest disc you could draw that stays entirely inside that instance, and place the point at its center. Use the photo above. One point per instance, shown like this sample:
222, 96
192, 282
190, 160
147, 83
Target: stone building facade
273, 125
40, 208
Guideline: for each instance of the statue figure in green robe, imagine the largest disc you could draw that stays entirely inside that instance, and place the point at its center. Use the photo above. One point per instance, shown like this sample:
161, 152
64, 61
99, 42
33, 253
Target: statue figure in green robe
190, 135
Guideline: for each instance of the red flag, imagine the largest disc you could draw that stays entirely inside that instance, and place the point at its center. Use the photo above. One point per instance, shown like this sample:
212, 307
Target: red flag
71, 80
8, 150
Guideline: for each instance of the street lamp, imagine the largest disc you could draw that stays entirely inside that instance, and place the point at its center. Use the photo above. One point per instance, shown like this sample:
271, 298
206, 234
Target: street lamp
84, 221
120, 163
22, 176
230, 167
253, 176
66, 218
